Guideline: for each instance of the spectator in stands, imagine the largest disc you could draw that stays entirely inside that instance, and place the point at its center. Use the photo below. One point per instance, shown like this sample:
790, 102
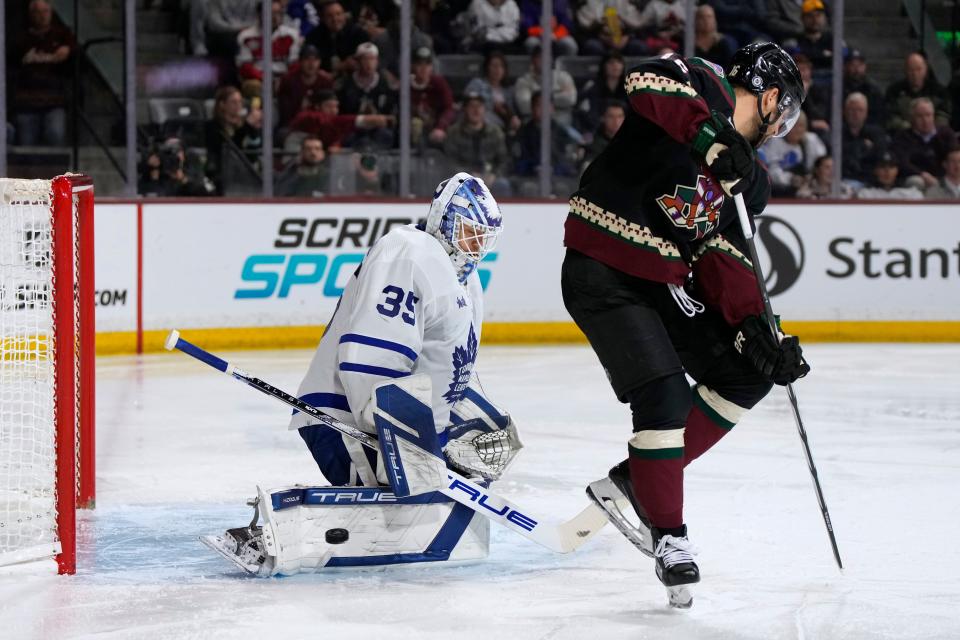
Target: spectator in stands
491, 24
862, 141
478, 147
232, 125
497, 95
923, 147
367, 92
947, 187
40, 60
610, 122
439, 19
610, 26
369, 180
790, 159
304, 13
285, 42
886, 184
149, 183
784, 21
855, 80
563, 42
431, 101
564, 150
388, 43
564, 90
224, 22
819, 184
300, 83
168, 178
710, 43
336, 38
322, 119
373, 16
744, 20
918, 82
308, 175
663, 22
599, 92
816, 41
817, 103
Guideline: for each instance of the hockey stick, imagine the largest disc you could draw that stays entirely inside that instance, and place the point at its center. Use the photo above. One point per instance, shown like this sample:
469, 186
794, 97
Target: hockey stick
562, 538
791, 394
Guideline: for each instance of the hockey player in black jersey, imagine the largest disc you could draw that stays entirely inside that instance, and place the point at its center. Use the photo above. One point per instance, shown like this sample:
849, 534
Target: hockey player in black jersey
657, 276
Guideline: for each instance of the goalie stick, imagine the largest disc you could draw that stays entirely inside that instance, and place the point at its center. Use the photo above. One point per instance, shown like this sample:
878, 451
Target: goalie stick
562, 538
771, 320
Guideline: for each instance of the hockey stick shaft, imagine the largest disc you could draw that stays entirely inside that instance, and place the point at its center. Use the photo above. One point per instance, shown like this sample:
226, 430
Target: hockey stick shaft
791, 394
561, 538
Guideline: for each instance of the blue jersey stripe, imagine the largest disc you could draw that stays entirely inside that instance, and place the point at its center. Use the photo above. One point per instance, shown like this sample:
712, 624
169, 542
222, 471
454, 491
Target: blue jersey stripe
326, 401
382, 344
374, 371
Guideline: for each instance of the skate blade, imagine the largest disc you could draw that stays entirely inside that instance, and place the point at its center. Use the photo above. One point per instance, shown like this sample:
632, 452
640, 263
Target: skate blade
680, 597
218, 544
601, 492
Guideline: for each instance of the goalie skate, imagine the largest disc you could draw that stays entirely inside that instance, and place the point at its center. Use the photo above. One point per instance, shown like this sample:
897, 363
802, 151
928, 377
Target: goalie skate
610, 494
242, 547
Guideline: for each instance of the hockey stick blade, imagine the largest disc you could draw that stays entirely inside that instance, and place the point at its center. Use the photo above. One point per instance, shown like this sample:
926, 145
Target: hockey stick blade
561, 538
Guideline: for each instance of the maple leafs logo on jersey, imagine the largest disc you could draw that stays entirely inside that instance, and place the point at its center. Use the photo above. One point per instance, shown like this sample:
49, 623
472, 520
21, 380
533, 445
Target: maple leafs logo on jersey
696, 208
463, 359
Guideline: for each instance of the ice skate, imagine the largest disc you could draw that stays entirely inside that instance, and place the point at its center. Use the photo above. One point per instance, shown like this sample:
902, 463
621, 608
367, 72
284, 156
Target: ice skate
676, 567
614, 494
243, 546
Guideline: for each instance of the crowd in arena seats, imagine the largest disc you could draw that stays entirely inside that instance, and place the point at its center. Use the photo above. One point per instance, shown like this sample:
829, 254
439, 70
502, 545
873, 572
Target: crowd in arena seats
476, 99
39, 60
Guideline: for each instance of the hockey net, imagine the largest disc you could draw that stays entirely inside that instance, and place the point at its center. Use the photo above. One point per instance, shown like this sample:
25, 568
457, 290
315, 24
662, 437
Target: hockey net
46, 366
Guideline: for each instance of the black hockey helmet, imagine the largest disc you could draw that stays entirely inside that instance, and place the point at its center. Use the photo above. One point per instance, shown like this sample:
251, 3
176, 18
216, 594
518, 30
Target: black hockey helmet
763, 65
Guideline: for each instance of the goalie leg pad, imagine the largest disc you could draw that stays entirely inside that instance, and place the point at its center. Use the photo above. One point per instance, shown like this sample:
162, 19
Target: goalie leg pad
308, 529
407, 436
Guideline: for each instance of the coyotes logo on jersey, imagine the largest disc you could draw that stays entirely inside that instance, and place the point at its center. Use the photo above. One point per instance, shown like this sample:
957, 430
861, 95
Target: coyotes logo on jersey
694, 208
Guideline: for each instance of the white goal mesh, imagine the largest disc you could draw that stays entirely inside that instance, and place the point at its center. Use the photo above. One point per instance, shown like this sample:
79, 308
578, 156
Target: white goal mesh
28, 524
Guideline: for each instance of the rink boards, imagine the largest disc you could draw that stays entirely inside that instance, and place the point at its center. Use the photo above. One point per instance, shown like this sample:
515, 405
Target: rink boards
268, 274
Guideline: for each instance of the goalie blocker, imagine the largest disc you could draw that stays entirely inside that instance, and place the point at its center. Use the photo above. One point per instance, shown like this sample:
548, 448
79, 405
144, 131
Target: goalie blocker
306, 529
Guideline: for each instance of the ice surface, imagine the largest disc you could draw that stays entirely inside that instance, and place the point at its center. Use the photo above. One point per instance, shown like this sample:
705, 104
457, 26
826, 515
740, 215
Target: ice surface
180, 447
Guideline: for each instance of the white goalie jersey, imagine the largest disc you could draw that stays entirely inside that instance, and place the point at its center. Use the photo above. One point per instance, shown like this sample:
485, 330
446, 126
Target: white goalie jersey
404, 312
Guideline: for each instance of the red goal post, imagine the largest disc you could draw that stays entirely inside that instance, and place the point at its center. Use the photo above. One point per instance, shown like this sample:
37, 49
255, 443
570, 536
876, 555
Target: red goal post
47, 374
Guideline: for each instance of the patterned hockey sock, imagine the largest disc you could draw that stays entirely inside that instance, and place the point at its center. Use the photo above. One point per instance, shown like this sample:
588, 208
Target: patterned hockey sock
711, 418
656, 471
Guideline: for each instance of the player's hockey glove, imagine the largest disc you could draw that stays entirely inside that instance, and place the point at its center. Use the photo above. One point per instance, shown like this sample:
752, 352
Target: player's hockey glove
728, 155
779, 363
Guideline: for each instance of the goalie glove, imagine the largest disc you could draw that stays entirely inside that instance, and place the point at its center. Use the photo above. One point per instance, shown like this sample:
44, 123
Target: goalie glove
483, 441
477, 450
726, 153
780, 363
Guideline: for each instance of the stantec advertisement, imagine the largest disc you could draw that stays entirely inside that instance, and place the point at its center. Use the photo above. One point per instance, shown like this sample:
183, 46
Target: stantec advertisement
249, 265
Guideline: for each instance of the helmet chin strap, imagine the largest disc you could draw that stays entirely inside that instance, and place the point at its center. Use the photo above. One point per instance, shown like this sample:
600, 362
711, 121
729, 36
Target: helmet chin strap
765, 122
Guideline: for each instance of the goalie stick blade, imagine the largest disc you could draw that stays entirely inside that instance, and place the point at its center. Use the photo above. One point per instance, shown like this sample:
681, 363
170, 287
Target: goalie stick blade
223, 548
680, 597
582, 527
612, 504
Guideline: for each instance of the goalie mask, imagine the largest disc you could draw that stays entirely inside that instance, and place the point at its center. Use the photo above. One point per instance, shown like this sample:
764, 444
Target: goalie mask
466, 220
